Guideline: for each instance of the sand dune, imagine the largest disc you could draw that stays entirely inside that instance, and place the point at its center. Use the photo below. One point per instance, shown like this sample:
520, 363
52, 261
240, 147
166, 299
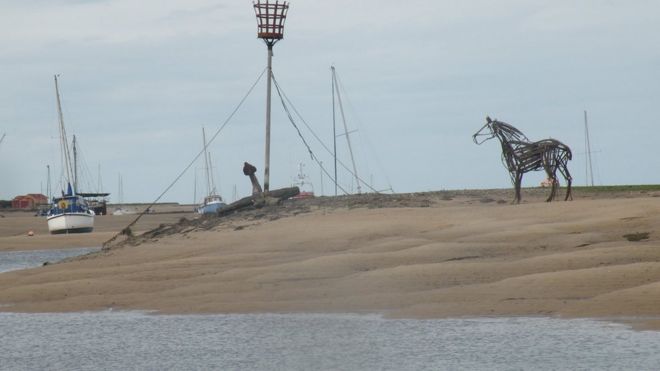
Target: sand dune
457, 257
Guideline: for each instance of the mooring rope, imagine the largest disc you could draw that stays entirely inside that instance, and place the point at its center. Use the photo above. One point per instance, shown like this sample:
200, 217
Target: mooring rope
225, 123
362, 127
309, 149
284, 97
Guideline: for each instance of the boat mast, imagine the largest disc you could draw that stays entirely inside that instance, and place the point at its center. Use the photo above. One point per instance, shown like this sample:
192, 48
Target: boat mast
48, 182
334, 125
346, 132
75, 166
589, 171
212, 181
99, 184
63, 142
195, 188
206, 164
120, 190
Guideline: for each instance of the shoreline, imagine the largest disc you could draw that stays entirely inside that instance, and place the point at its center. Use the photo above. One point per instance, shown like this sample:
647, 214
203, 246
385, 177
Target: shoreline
436, 255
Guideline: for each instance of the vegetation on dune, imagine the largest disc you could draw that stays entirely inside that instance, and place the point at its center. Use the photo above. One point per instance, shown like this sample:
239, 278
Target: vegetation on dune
620, 188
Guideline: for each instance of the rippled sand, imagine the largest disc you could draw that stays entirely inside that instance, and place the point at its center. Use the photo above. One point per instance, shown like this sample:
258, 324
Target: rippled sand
458, 256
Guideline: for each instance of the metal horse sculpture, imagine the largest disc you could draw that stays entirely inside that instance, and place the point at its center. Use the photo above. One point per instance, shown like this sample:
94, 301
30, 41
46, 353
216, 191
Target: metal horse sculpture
520, 156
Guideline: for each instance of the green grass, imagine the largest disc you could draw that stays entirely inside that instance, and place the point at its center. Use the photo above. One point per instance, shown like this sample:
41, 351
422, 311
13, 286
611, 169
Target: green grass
620, 188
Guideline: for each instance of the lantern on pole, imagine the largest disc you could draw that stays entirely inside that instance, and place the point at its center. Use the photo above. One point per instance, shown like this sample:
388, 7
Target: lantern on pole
270, 28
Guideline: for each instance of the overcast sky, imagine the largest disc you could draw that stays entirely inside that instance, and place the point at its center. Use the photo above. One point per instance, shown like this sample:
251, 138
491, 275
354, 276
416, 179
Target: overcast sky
139, 80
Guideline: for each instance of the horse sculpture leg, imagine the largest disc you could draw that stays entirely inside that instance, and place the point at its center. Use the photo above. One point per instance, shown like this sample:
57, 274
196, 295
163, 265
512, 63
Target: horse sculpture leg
517, 185
563, 169
553, 189
551, 174
555, 186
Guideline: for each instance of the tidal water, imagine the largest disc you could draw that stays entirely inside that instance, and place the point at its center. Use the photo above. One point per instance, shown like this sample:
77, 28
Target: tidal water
139, 341
14, 260
112, 340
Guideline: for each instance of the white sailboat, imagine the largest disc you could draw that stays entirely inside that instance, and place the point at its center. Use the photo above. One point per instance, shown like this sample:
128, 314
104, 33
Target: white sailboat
119, 209
70, 212
302, 182
212, 201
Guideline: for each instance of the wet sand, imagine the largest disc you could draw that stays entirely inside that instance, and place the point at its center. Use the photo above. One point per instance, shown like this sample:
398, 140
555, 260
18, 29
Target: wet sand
421, 256
14, 228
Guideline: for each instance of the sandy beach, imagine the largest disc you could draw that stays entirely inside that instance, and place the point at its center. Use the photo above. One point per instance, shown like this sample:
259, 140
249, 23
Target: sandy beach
14, 228
432, 255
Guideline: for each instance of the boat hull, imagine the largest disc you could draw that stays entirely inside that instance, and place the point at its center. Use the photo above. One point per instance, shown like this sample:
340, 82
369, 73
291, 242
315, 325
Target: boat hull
71, 223
211, 208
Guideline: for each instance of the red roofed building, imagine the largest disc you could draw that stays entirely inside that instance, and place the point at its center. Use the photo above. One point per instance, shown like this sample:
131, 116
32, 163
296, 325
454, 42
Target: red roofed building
30, 201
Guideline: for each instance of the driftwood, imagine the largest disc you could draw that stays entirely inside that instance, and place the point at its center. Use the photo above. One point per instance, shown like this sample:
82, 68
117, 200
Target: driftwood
260, 200
520, 155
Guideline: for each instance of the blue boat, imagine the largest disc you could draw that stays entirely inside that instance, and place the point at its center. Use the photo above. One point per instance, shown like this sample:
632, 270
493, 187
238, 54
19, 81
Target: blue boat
69, 213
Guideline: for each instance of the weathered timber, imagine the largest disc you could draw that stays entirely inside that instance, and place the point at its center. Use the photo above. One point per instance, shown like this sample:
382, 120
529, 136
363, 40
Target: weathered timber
259, 200
520, 155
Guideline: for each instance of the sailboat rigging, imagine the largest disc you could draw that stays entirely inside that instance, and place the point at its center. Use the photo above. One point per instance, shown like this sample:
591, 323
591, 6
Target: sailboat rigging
302, 182
212, 201
589, 170
346, 133
70, 212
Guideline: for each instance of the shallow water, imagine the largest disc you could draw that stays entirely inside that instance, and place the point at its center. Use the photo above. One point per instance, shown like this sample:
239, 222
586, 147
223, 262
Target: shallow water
130, 340
15, 260
138, 341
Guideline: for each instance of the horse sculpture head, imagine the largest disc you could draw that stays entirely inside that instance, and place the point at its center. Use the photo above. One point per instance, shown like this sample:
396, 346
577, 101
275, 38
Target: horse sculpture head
485, 131
500, 129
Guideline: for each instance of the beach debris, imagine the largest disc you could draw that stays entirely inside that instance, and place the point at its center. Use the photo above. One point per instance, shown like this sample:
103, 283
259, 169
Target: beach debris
127, 232
260, 200
636, 237
520, 155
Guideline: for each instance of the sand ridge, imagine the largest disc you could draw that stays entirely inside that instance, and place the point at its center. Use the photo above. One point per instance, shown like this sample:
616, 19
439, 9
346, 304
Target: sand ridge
457, 256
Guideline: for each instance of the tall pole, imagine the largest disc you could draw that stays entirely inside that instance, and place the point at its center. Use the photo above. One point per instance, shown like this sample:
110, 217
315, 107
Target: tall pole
590, 170
195, 189
63, 142
334, 125
75, 166
268, 93
348, 138
99, 182
48, 193
270, 28
213, 188
206, 165
321, 170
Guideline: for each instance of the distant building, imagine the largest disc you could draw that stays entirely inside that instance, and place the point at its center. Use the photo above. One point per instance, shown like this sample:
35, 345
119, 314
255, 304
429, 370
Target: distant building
30, 201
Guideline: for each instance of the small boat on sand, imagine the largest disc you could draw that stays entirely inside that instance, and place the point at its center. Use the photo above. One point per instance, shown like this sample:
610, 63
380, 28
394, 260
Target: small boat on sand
70, 212
212, 201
